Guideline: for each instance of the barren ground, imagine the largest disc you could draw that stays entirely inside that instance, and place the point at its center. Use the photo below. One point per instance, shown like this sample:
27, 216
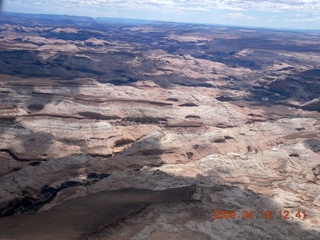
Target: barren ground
118, 131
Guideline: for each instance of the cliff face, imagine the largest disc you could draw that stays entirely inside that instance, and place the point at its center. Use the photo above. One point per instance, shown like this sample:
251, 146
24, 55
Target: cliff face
155, 131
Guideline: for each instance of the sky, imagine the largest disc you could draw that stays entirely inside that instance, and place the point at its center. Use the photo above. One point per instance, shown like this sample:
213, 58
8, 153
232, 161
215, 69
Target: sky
283, 14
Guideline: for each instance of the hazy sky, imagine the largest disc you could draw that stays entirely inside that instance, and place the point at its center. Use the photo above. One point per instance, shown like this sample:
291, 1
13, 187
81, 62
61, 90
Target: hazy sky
297, 14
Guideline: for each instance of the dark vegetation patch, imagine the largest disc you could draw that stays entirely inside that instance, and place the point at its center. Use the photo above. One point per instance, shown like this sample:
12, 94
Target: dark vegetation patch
293, 155
145, 120
223, 125
189, 154
225, 99
97, 176
122, 142
156, 103
173, 99
122, 81
254, 120
187, 124
35, 164
286, 69
30, 203
35, 107
188, 105
219, 140
192, 116
94, 155
254, 115
99, 116
228, 137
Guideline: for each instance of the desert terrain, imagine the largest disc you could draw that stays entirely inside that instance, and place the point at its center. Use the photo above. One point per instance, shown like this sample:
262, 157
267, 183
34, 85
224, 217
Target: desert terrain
111, 130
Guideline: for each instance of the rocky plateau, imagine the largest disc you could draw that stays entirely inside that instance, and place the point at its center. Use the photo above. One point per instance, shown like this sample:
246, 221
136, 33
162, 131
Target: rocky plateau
140, 131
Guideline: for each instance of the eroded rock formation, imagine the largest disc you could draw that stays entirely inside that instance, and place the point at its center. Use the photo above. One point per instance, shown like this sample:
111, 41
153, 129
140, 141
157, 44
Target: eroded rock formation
188, 123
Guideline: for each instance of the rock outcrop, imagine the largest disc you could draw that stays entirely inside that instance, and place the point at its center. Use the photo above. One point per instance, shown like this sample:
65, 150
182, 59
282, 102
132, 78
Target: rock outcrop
143, 133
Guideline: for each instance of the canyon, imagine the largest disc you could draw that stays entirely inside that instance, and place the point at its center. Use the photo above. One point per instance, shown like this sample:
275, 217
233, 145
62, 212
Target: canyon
140, 131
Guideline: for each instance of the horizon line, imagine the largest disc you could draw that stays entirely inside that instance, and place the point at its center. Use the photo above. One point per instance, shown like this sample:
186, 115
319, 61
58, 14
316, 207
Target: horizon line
177, 22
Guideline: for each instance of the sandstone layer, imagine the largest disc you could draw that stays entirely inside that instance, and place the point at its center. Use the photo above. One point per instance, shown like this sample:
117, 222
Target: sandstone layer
142, 134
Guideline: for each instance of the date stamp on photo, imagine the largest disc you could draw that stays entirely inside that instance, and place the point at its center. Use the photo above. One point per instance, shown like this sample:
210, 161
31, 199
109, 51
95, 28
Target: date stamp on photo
263, 214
